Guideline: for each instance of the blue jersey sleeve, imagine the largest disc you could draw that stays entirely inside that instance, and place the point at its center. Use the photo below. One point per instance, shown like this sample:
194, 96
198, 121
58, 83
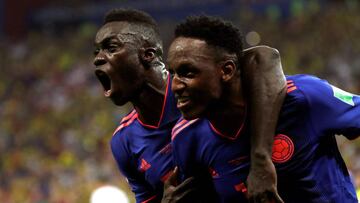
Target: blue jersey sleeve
332, 110
127, 165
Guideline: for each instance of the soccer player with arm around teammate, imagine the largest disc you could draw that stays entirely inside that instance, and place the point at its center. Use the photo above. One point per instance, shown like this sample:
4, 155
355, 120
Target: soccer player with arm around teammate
264, 80
128, 60
212, 140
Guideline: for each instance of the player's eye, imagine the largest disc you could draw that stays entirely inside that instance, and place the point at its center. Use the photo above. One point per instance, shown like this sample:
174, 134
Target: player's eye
187, 71
112, 48
96, 51
190, 74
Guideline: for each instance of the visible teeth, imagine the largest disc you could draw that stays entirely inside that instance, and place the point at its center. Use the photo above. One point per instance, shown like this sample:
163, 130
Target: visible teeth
99, 58
107, 93
182, 99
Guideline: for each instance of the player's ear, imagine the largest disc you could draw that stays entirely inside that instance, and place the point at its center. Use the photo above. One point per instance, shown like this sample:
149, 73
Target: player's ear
228, 70
147, 55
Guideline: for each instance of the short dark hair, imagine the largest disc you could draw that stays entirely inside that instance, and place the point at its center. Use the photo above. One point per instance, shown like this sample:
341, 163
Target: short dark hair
214, 31
147, 24
130, 15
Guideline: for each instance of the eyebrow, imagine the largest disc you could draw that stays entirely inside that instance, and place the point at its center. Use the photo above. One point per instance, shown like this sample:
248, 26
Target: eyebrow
117, 37
107, 39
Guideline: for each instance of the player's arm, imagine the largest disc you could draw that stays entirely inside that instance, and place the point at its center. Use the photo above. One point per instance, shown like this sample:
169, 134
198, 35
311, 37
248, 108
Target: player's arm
265, 84
142, 190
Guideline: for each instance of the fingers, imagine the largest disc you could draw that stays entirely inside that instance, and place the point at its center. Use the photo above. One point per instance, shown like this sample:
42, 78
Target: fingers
186, 185
180, 193
261, 199
278, 198
172, 180
187, 196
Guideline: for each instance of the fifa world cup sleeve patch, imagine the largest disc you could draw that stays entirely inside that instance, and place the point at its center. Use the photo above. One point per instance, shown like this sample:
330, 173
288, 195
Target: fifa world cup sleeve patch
343, 95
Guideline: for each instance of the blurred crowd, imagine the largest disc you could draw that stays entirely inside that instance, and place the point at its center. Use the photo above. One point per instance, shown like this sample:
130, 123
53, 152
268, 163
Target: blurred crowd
56, 124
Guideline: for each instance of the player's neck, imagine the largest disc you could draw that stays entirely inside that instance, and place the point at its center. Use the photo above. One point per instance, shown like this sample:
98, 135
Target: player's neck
149, 104
228, 118
228, 114
228, 121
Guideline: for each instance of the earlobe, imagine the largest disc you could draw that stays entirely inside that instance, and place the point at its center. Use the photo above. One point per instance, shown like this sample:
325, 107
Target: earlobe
228, 70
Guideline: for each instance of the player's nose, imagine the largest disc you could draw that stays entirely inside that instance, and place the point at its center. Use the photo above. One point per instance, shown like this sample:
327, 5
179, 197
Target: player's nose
177, 85
99, 60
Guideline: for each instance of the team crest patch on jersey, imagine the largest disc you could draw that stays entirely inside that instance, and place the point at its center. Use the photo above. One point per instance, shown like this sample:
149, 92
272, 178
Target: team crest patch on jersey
343, 95
283, 149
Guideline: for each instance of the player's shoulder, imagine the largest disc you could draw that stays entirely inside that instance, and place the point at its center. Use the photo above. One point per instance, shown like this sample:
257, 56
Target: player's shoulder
310, 90
182, 126
306, 84
121, 139
125, 124
304, 78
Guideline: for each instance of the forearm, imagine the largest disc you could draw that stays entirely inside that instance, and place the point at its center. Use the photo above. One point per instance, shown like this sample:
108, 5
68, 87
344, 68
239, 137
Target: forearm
266, 89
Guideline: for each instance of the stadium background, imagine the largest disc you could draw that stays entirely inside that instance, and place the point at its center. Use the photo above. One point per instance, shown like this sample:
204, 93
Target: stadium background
55, 123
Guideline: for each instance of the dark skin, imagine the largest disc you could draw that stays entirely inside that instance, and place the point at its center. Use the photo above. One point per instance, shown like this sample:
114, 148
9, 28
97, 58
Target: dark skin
123, 62
215, 90
129, 72
182, 192
266, 80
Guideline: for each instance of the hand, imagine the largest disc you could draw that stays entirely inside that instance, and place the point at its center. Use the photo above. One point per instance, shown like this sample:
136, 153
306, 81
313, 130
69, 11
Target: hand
174, 193
262, 182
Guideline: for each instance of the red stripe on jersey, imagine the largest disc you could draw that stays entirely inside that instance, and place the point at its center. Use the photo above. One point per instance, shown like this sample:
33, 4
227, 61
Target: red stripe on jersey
176, 132
166, 149
122, 125
178, 125
290, 86
225, 136
291, 89
166, 176
126, 118
148, 200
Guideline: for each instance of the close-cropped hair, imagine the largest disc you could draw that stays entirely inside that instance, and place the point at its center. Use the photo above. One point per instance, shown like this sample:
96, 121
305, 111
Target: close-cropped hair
130, 15
144, 22
214, 31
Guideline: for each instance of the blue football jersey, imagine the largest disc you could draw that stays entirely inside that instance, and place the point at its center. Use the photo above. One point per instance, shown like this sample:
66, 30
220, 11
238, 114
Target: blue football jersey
305, 153
143, 152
